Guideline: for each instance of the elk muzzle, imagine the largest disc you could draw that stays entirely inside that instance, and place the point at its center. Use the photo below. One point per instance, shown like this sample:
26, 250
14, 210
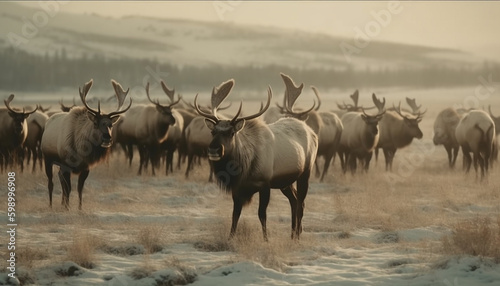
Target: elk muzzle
215, 154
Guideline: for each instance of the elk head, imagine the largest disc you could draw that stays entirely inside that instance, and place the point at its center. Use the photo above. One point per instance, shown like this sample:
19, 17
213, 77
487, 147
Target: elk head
103, 123
411, 122
165, 110
66, 108
371, 122
224, 131
19, 118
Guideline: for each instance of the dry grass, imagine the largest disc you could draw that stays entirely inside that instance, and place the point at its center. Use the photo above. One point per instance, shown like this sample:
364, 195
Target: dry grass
82, 249
478, 237
151, 237
29, 256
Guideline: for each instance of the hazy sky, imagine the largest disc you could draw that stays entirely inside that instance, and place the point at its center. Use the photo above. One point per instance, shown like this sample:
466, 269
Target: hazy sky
470, 26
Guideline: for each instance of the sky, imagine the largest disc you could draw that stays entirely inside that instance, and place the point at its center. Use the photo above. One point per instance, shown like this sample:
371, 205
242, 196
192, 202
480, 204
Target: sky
469, 26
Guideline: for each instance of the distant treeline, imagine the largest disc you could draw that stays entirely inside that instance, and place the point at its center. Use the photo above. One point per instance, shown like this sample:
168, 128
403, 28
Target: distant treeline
24, 71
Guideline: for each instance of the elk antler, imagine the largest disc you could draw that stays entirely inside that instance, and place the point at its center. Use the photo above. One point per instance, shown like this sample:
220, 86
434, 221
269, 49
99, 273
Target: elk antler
411, 102
121, 94
316, 92
355, 98
169, 92
202, 113
7, 104
83, 94
292, 91
220, 93
378, 103
262, 110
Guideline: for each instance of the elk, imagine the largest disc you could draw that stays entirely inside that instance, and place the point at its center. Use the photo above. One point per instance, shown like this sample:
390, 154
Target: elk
13, 131
397, 131
174, 133
78, 140
475, 133
146, 126
250, 156
36, 125
444, 133
358, 139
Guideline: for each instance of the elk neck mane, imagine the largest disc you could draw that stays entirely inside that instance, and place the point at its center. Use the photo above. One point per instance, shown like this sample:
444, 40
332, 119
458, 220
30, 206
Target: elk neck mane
244, 156
79, 136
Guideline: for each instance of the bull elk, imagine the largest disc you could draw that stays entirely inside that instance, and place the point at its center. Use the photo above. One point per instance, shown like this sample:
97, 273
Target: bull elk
475, 133
13, 131
250, 156
78, 140
397, 130
359, 138
146, 126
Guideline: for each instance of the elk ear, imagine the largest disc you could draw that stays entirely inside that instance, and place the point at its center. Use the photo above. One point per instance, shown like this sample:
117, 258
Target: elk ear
238, 125
304, 117
115, 119
364, 117
210, 123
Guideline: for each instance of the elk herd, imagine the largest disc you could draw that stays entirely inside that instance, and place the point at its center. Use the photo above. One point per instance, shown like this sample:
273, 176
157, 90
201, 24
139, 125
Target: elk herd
276, 147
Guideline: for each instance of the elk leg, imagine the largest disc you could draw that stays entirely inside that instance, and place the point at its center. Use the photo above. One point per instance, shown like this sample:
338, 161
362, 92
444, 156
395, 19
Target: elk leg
455, 154
237, 206
81, 180
142, 155
448, 151
130, 152
64, 178
328, 160
342, 162
48, 172
302, 188
316, 167
367, 160
190, 161
32, 153
170, 160
291, 194
352, 161
467, 160
28, 157
264, 196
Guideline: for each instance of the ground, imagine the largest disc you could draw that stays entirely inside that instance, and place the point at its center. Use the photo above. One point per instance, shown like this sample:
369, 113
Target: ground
377, 228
